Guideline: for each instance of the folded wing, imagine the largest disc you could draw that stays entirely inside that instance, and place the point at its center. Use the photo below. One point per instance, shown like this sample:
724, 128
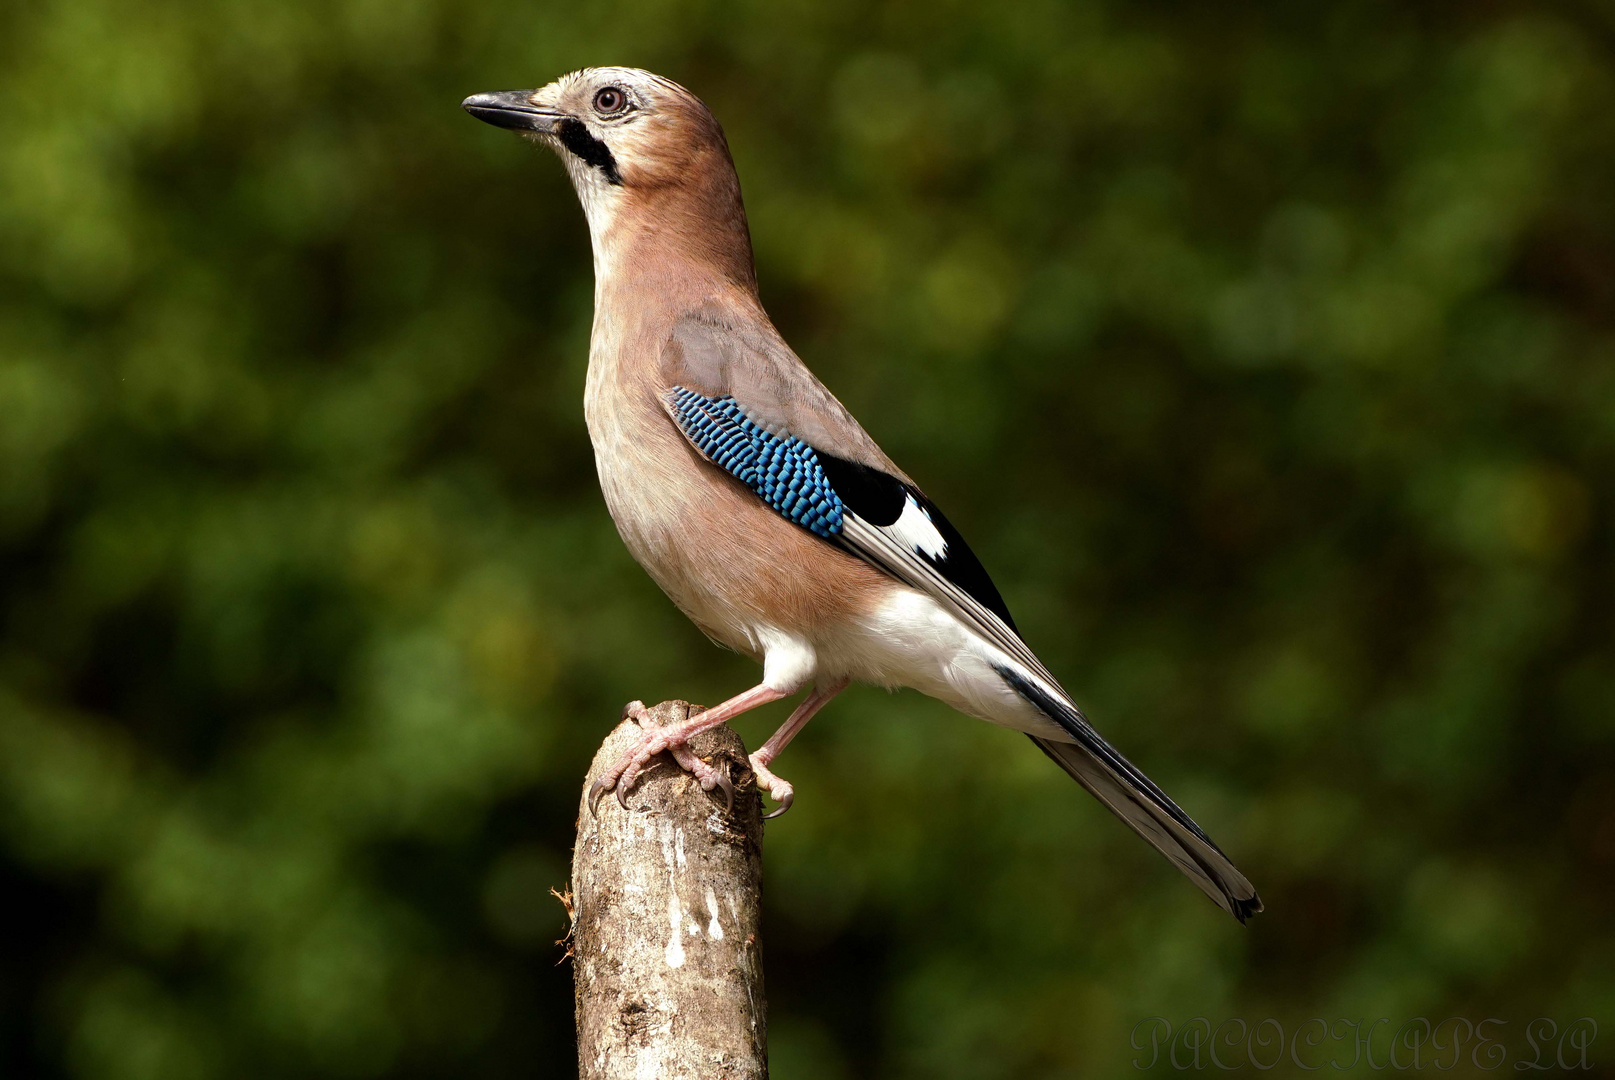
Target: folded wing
879, 515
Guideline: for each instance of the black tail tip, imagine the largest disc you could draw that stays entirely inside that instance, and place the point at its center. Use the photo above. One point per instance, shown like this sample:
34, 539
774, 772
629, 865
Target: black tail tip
1244, 909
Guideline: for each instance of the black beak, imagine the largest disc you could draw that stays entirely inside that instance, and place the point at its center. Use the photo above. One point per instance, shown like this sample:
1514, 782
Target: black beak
512, 109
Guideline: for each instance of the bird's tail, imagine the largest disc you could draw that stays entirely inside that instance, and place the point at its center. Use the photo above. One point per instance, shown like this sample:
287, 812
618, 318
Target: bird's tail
1134, 798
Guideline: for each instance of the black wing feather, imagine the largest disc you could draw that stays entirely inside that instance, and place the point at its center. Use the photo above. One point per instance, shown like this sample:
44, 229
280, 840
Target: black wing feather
879, 497
854, 505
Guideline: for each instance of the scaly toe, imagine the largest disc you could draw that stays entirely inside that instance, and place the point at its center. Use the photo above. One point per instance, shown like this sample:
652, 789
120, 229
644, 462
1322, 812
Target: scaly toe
709, 776
779, 790
655, 740
625, 783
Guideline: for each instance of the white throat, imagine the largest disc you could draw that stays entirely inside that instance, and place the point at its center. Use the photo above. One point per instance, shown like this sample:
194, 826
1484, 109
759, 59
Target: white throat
600, 200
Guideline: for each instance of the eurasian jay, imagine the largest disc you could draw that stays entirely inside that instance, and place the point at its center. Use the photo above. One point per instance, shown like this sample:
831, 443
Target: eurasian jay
751, 495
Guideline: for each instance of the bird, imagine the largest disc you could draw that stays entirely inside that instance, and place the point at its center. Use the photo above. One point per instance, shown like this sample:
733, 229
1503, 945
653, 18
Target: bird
752, 496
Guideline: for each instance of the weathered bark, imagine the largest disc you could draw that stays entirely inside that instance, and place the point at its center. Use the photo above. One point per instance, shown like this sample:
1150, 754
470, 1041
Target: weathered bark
665, 960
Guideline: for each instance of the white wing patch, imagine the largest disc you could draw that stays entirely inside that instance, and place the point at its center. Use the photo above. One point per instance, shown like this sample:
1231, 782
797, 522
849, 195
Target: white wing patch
915, 528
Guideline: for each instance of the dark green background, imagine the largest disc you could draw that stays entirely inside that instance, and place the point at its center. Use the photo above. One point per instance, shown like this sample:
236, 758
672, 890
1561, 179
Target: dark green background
1265, 353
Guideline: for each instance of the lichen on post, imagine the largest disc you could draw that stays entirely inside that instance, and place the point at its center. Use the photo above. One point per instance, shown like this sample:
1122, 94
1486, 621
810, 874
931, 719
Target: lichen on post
665, 945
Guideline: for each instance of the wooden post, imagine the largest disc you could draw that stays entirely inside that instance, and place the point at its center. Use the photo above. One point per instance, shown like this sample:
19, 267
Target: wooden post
665, 960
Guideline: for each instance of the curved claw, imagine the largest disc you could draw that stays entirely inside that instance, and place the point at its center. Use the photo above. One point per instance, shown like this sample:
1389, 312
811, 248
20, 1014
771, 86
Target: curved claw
596, 789
779, 790
728, 789
784, 805
625, 783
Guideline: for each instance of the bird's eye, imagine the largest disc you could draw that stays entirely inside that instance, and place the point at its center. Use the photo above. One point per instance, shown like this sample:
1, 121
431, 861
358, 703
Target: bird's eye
609, 100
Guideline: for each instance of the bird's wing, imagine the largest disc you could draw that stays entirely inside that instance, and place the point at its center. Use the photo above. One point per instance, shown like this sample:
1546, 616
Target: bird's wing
738, 391
718, 355
746, 428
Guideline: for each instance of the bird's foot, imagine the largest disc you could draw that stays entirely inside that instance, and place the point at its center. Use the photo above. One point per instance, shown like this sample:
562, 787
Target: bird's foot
673, 739
779, 790
708, 776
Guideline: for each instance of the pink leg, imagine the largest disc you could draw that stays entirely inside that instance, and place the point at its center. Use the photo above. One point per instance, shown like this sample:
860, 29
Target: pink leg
622, 775
780, 790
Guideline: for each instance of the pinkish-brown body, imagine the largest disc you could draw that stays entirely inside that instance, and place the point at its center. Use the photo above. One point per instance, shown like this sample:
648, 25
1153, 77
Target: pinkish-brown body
889, 593
731, 584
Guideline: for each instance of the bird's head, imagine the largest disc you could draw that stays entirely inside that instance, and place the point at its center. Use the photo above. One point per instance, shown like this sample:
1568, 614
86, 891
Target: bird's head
642, 151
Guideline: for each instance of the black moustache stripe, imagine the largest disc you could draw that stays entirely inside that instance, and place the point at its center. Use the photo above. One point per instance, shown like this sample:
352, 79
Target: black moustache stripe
576, 138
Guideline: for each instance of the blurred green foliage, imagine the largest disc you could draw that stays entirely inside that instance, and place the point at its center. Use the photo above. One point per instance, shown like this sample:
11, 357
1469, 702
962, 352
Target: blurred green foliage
1266, 355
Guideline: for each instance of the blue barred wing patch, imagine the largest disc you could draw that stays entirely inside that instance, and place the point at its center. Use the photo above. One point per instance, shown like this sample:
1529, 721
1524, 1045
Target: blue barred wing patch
785, 472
